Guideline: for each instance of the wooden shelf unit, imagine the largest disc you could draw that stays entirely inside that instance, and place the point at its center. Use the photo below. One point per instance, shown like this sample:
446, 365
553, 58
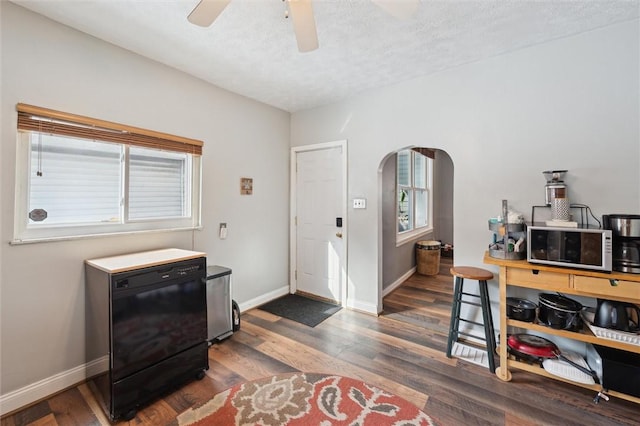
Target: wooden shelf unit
520, 273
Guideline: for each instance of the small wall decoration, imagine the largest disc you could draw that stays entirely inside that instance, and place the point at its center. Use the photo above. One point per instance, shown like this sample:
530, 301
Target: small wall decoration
246, 186
38, 215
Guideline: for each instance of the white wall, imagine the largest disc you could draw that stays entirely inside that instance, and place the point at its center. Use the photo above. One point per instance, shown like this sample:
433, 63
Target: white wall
42, 285
568, 104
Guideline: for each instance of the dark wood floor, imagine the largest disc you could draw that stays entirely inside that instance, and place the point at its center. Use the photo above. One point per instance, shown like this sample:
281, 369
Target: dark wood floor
401, 351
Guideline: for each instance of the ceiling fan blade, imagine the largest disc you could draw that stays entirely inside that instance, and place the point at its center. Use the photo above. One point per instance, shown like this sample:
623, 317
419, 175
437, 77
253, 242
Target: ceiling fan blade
401, 9
207, 11
304, 25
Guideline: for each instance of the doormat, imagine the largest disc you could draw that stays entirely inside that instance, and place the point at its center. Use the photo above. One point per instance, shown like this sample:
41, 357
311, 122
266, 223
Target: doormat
301, 309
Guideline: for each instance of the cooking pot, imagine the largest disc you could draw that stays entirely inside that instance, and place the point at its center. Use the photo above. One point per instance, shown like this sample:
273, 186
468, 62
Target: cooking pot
558, 311
617, 315
532, 346
521, 309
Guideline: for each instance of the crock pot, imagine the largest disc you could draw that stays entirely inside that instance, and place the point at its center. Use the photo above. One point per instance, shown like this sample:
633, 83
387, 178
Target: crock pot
560, 312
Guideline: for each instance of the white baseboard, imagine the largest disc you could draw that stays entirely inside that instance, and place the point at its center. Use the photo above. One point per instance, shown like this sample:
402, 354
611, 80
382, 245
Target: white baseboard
264, 298
36, 391
399, 281
367, 308
351, 303
29, 394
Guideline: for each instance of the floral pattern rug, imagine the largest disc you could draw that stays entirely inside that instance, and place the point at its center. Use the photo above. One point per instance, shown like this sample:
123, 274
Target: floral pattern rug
305, 399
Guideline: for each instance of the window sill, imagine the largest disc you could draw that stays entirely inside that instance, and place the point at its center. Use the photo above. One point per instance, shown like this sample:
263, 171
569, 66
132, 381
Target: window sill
411, 236
36, 240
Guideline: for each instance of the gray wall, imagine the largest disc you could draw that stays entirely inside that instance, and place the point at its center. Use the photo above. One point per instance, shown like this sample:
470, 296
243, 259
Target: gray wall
568, 104
42, 285
397, 261
443, 198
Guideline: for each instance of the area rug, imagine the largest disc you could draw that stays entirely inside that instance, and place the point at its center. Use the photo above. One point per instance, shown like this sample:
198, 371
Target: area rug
300, 309
305, 399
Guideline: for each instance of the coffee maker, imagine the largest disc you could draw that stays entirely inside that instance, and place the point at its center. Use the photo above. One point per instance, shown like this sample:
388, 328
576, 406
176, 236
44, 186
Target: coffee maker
555, 187
625, 229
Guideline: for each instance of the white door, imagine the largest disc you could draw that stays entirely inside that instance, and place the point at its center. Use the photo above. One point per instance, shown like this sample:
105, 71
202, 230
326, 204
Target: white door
320, 206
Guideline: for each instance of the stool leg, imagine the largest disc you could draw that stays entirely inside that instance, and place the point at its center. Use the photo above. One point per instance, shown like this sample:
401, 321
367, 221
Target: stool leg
491, 327
488, 324
455, 315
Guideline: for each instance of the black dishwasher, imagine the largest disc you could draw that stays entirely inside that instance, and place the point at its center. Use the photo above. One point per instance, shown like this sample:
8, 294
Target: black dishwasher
152, 324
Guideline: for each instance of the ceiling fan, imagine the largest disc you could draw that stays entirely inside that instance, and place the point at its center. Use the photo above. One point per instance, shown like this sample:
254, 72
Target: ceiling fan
301, 11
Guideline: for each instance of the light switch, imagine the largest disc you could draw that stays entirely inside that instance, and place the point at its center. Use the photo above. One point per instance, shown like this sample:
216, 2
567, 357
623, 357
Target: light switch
359, 203
223, 231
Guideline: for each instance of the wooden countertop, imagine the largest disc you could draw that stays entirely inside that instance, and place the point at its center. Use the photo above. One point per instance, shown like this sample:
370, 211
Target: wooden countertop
133, 261
523, 264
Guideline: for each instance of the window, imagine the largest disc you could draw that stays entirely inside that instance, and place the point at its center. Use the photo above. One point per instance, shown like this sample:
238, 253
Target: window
414, 171
73, 180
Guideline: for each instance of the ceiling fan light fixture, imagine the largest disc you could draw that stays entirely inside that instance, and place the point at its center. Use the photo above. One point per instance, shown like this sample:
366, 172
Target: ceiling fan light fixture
207, 11
304, 24
301, 13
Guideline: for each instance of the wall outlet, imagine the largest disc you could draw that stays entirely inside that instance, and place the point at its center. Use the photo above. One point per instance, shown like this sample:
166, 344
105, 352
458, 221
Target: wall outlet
359, 203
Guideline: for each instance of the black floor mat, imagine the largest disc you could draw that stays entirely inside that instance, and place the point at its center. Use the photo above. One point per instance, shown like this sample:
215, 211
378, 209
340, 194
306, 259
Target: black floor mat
301, 309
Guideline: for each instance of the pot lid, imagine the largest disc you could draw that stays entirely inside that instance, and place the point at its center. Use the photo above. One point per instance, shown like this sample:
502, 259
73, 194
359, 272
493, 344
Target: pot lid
559, 302
516, 302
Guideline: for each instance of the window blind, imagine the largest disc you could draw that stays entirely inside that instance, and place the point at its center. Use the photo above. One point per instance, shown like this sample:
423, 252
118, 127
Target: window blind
44, 120
80, 184
404, 168
156, 185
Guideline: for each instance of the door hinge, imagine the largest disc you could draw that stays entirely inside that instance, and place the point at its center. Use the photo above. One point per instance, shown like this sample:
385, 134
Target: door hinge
295, 275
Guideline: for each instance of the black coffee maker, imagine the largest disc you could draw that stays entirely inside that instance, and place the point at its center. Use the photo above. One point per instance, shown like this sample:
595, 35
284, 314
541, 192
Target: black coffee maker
625, 229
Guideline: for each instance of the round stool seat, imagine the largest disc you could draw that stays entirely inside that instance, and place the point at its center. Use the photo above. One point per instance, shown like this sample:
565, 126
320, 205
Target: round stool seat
471, 273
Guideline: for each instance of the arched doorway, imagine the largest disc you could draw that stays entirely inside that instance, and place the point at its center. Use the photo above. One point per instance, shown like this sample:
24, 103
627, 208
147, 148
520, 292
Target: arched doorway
397, 260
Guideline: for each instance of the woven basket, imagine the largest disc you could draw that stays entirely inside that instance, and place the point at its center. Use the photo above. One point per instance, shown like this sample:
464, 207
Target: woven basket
428, 257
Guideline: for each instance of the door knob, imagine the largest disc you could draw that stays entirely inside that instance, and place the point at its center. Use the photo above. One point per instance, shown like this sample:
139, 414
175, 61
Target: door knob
339, 234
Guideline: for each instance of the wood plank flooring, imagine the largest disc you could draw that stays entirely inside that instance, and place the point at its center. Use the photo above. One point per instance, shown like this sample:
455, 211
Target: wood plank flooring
401, 351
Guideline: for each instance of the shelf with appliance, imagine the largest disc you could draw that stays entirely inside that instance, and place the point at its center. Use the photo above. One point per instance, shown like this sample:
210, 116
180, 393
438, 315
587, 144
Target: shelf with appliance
520, 273
508, 237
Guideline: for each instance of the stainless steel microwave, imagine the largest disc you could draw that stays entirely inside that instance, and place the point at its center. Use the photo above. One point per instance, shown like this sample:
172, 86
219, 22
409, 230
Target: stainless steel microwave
584, 248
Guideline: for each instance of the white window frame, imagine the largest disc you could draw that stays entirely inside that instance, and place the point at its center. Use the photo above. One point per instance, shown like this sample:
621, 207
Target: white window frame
409, 235
25, 234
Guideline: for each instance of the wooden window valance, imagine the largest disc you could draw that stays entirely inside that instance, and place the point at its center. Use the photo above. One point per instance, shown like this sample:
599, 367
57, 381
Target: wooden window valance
37, 119
427, 152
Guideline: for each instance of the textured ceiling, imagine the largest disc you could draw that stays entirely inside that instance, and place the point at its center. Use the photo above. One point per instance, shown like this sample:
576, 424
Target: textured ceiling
251, 49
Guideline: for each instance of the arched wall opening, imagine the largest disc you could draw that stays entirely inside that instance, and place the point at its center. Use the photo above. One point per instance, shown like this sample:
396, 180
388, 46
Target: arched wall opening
398, 261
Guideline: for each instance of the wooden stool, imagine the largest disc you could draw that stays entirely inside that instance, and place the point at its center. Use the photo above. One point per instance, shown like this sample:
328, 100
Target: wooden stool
481, 275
